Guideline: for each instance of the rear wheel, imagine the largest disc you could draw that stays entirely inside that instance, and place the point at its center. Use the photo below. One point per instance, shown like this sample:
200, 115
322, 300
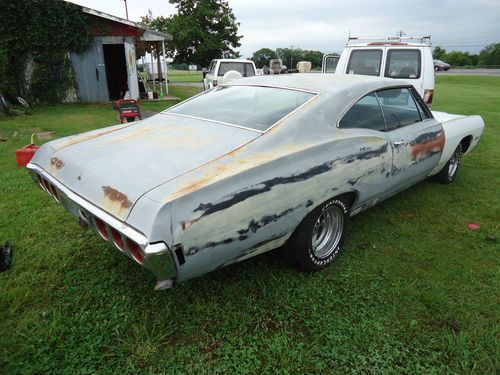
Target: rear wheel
320, 236
449, 172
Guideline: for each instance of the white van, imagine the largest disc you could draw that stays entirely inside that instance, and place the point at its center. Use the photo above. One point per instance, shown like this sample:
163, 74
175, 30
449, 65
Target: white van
402, 58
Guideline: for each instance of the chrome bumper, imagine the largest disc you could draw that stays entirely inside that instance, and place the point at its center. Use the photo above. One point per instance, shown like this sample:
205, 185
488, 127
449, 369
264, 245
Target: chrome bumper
155, 257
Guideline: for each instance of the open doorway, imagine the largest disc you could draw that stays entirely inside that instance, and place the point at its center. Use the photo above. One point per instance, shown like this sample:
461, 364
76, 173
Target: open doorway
116, 70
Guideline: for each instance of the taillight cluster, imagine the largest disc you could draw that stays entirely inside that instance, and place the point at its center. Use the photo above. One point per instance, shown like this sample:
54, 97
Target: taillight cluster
121, 242
428, 96
106, 231
48, 187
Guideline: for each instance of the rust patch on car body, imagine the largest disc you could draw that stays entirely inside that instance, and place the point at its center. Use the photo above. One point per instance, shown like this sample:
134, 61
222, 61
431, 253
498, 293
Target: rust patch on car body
432, 145
114, 197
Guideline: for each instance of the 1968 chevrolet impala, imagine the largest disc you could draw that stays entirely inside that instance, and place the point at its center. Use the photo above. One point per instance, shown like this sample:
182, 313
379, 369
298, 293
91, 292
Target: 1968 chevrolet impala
250, 166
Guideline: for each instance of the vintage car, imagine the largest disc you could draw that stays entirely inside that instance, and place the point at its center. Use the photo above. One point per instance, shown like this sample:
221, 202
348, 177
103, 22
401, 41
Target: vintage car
251, 166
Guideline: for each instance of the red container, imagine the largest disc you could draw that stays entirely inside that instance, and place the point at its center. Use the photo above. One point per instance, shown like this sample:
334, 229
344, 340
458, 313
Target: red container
24, 155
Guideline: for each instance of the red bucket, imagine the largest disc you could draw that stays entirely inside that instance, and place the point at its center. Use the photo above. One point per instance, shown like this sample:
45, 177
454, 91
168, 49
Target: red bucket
24, 155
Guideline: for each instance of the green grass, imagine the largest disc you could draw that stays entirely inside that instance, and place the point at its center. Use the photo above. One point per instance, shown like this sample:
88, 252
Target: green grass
422, 297
183, 76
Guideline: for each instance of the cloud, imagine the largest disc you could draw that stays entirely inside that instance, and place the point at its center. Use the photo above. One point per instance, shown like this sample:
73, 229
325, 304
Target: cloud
324, 25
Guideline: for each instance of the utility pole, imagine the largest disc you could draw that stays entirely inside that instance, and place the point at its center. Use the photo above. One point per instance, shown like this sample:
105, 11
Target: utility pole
126, 9
400, 33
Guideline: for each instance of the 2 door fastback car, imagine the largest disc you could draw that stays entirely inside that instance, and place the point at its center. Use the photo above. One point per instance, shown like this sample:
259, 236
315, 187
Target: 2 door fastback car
250, 166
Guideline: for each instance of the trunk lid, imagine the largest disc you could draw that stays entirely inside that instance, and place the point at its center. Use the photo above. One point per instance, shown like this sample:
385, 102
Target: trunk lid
113, 169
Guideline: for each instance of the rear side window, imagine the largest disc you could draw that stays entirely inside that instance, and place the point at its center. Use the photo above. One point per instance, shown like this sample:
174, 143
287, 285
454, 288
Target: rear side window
404, 63
211, 67
365, 114
365, 62
399, 107
245, 69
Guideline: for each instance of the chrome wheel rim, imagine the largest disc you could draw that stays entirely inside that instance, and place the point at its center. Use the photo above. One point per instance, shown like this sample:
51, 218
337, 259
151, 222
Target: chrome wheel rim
453, 164
327, 232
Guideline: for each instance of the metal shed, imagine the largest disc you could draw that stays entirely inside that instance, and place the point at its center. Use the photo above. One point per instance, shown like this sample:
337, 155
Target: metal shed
108, 68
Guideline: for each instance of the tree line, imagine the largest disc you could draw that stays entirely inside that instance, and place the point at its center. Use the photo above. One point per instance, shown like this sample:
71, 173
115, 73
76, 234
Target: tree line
290, 57
487, 57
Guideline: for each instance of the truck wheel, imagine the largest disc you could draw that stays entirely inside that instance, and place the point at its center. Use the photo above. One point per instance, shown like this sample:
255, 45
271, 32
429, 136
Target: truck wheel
449, 172
320, 236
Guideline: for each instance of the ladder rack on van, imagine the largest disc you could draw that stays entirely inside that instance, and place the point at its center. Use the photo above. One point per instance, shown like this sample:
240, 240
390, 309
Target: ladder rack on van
426, 40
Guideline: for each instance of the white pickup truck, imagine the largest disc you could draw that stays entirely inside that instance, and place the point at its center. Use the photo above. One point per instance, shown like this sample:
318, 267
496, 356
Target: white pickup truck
225, 70
403, 58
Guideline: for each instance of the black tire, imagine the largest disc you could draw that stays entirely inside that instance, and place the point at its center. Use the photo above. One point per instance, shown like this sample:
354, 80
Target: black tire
449, 172
436, 68
301, 249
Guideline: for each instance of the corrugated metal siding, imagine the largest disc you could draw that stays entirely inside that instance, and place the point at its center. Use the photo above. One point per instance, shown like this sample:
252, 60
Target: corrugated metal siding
90, 73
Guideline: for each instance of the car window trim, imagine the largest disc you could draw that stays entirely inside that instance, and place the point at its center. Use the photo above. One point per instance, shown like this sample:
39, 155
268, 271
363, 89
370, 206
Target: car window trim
391, 50
421, 104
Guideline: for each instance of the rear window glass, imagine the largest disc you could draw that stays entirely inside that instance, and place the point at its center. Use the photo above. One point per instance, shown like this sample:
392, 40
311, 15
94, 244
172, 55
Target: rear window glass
403, 64
365, 62
245, 69
249, 106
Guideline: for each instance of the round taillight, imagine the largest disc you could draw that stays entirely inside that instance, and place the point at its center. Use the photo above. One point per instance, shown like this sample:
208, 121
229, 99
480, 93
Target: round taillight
46, 185
135, 251
101, 228
54, 192
117, 239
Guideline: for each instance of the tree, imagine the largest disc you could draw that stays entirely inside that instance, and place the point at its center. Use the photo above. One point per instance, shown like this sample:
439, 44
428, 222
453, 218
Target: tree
315, 57
262, 56
439, 53
490, 55
458, 58
202, 30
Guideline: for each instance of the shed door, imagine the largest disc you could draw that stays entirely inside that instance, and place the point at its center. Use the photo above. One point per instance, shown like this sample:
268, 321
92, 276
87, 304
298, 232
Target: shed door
90, 74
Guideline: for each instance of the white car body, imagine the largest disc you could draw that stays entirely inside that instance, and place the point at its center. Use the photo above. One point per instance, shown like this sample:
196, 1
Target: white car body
218, 69
404, 59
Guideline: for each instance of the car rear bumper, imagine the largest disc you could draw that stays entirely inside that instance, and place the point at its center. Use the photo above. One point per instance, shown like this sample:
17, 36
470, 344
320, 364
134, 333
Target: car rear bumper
155, 257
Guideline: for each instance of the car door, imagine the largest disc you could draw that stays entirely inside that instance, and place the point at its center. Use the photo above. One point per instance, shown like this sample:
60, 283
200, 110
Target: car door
365, 139
417, 139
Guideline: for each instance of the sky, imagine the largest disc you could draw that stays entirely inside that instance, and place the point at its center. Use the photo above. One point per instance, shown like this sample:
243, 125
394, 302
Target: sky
325, 25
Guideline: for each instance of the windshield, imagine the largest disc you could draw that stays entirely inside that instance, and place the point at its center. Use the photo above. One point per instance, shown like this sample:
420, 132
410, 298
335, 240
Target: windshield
252, 107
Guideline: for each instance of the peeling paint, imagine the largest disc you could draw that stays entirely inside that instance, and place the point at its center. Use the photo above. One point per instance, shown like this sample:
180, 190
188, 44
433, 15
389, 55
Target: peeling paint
115, 196
428, 143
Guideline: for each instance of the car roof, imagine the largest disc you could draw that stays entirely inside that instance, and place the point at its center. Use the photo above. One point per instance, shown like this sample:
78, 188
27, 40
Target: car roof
320, 82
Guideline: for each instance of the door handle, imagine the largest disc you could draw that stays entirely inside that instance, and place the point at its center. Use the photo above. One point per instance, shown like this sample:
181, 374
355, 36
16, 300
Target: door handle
399, 143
